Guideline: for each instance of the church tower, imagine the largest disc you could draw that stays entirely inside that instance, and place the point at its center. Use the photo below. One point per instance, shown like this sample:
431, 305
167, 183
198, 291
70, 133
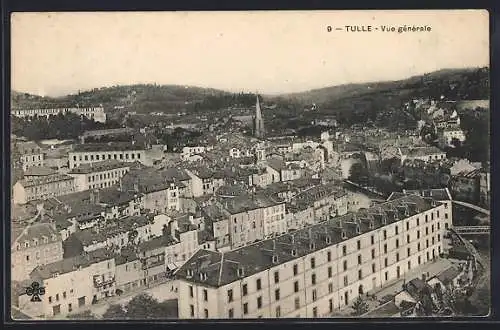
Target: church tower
258, 121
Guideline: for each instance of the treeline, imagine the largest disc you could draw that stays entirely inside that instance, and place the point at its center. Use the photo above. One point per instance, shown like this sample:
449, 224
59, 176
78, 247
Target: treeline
476, 125
225, 100
61, 126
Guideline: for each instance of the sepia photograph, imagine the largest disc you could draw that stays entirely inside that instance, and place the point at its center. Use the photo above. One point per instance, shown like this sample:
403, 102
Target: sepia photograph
250, 165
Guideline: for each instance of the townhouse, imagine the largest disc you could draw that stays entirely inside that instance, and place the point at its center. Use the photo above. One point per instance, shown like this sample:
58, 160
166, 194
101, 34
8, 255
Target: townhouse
312, 271
42, 187
98, 175
30, 154
32, 246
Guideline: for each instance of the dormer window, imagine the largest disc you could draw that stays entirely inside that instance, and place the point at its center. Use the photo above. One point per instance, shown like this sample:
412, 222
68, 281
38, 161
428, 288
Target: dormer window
312, 245
344, 234
189, 273
358, 230
275, 259
328, 240
26, 244
241, 272
371, 225
18, 246
294, 252
35, 242
203, 276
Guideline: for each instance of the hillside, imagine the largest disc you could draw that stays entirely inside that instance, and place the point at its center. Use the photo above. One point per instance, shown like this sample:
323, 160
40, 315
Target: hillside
453, 84
459, 84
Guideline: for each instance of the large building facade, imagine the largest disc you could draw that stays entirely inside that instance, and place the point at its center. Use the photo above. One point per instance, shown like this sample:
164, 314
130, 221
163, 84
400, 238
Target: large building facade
311, 272
33, 188
95, 113
98, 152
98, 175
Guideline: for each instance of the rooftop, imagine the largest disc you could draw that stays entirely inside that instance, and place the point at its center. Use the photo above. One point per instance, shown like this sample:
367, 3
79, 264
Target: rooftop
98, 167
41, 180
112, 146
39, 171
222, 268
71, 264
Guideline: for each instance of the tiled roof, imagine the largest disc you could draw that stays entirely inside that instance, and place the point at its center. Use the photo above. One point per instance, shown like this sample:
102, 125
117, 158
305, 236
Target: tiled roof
448, 275
39, 171
71, 264
116, 146
38, 231
98, 167
221, 268
37, 181
437, 194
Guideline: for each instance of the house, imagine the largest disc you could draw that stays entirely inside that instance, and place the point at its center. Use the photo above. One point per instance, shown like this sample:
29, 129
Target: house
465, 186
42, 187
32, 246
98, 175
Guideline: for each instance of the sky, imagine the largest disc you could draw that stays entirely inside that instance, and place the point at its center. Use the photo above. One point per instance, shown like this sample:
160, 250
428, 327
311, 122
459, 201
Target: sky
54, 54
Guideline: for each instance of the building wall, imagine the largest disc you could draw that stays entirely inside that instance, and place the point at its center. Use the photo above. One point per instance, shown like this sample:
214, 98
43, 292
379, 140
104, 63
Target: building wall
25, 259
101, 179
77, 158
95, 113
22, 195
33, 160
314, 299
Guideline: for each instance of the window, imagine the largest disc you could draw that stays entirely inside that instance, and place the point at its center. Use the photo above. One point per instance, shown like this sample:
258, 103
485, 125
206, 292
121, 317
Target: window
297, 303
230, 295
385, 234
418, 222
259, 284
192, 310
372, 239
419, 260
439, 225
386, 276
432, 228
245, 308
408, 238
57, 296
397, 256
313, 279
276, 277
206, 313
439, 237
408, 225
396, 229
426, 230
64, 295
344, 250
313, 262
315, 312
374, 269
409, 264
296, 286
70, 308
244, 289
330, 287
191, 292
373, 253
408, 250
426, 218
259, 302
345, 265
386, 262
385, 248
358, 244
278, 311
314, 295
231, 313
359, 259
418, 246
295, 270
418, 234
360, 274
205, 295
277, 294
329, 256
426, 243
50, 299
346, 280
397, 243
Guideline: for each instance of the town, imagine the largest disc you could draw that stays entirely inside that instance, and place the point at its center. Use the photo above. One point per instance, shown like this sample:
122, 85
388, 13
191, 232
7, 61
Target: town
230, 213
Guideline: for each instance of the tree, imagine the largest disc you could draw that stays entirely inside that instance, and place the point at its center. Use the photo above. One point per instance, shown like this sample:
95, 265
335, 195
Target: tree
360, 307
144, 306
115, 312
358, 173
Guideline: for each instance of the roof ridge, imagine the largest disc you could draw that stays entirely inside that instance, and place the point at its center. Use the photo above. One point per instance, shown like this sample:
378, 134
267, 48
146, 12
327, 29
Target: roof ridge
220, 269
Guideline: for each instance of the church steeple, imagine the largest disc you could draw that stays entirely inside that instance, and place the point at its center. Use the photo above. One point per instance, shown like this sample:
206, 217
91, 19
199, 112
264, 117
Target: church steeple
258, 121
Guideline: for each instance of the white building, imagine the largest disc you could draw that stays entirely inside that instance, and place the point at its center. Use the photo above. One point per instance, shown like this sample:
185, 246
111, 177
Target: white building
95, 113
98, 152
98, 175
311, 272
